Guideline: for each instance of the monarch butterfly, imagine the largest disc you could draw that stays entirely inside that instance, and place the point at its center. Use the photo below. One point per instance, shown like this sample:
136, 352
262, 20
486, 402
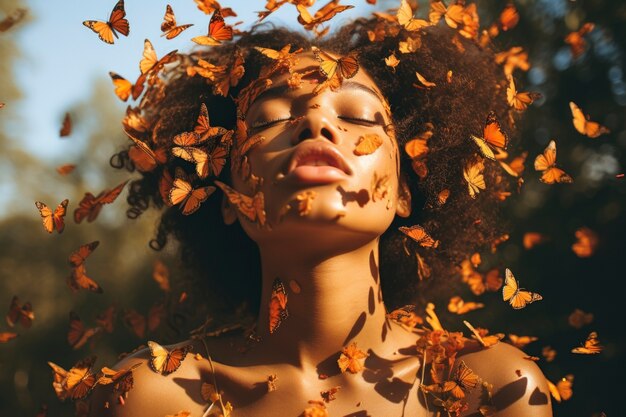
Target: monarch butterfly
76, 383
562, 390
66, 126
168, 27
150, 64
78, 279
278, 305
546, 162
53, 220
576, 39
231, 77
203, 128
591, 346
344, 67
519, 101
517, 297
253, 208
521, 341
165, 361
324, 14
473, 174
493, 135
189, 198
483, 336
77, 335
583, 125
458, 306
453, 15
463, 380
406, 19
219, 31
89, 207
419, 235
124, 88
209, 6
143, 156
368, 144
18, 313
116, 23
122, 379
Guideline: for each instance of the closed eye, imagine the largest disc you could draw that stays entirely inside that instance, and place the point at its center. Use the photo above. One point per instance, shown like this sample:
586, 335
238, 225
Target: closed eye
359, 120
268, 123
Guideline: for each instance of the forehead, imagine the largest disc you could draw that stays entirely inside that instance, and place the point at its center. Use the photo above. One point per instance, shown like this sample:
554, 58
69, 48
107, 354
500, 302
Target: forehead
306, 62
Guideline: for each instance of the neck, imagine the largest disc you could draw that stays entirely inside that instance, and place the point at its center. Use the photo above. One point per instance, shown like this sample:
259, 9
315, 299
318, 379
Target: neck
337, 300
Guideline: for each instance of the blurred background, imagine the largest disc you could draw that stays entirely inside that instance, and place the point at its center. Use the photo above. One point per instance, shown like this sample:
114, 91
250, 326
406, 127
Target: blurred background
51, 64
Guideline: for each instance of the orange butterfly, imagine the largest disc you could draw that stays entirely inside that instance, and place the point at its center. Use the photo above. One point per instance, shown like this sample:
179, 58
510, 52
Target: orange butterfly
65, 169
76, 383
53, 220
324, 14
150, 64
66, 127
116, 23
521, 341
124, 88
406, 19
453, 15
344, 67
7, 336
562, 391
189, 198
231, 77
519, 101
122, 379
168, 27
483, 336
106, 319
89, 207
473, 174
546, 162
493, 136
583, 125
22, 314
591, 347
253, 208
79, 280
219, 31
203, 128
367, 144
136, 322
576, 39
586, 244
458, 306
77, 335
517, 297
419, 234
165, 361
143, 156
209, 6
277, 305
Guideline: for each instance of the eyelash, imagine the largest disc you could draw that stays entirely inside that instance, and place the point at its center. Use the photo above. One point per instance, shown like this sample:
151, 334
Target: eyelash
260, 125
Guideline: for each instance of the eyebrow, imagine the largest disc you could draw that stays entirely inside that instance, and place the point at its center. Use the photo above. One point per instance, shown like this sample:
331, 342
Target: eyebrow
282, 89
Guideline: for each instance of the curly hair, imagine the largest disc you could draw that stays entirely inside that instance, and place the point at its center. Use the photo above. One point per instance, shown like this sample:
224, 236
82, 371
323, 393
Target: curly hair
225, 262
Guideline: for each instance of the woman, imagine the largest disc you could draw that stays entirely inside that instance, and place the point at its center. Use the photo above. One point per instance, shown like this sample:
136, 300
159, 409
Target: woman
319, 182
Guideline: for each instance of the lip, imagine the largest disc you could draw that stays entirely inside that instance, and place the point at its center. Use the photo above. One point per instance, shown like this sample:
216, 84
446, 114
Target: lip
334, 168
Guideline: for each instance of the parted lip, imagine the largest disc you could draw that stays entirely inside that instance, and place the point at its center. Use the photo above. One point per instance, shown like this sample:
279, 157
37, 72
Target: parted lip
308, 152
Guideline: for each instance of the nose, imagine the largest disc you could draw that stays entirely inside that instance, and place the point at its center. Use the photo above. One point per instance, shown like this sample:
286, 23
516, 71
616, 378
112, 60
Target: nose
315, 125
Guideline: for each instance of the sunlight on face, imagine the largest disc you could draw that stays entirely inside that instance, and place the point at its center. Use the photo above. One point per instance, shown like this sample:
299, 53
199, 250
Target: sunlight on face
326, 160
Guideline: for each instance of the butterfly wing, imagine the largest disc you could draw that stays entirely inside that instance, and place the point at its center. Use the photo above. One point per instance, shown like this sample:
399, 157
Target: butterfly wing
484, 148
122, 86
110, 196
175, 359
547, 159
278, 305
218, 29
149, 59
493, 133
78, 257
180, 191
58, 217
578, 118
328, 64
117, 20
196, 198
510, 288
46, 216
101, 28
164, 361
474, 177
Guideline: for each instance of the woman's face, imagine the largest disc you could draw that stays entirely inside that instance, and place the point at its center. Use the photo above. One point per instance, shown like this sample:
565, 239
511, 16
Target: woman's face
314, 177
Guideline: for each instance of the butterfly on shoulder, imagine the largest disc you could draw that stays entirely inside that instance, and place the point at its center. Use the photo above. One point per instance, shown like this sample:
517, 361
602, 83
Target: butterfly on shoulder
116, 23
53, 220
76, 383
165, 361
518, 298
278, 305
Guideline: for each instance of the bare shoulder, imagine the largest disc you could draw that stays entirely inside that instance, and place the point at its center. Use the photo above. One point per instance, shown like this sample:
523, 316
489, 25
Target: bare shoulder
519, 386
154, 394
